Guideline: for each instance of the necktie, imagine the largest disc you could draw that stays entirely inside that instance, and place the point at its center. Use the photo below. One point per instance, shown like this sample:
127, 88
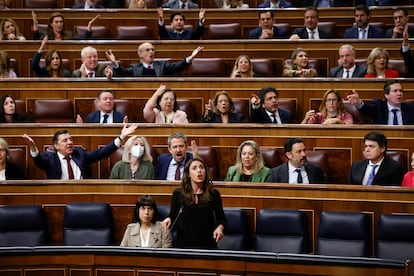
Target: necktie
363, 34
274, 118
90, 74
183, 6
372, 174
70, 171
178, 172
347, 74
149, 66
312, 34
105, 119
299, 180
395, 121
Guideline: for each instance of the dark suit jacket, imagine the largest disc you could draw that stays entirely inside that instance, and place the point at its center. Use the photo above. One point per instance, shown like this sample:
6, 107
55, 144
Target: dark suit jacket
99, 71
389, 32
95, 117
50, 163
175, 4
280, 174
82, 6
359, 72
390, 173
186, 34
259, 115
234, 117
163, 162
277, 33
161, 68
282, 4
303, 33
14, 172
378, 111
408, 60
373, 32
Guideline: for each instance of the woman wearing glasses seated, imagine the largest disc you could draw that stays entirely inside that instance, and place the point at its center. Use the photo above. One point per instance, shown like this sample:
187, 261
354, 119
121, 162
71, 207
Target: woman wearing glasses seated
331, 111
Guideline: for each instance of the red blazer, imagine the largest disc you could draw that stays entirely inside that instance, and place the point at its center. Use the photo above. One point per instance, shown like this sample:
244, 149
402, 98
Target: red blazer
389, 73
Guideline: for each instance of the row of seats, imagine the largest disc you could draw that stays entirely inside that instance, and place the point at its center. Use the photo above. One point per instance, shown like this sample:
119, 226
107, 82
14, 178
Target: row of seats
347, 234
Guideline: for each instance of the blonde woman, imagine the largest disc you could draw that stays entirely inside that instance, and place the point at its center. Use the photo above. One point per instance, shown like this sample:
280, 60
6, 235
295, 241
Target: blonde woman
5, 69
137, 4
377, 65
242, 68
300, 65
10, 30
231, 4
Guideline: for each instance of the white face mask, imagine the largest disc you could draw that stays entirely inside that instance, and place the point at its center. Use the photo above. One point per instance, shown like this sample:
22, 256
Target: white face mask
137, 151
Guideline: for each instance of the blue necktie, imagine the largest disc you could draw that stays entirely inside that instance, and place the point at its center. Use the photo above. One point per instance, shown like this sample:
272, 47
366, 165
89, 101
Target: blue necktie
372, 174
395, 121
299, 180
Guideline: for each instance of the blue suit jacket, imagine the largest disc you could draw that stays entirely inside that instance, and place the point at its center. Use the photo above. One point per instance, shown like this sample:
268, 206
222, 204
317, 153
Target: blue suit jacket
50, 163
163, 162
359, 72
390, 173
280, 174
161, 68
277, 33
303, 33
259, 115
282, 4
373, 32
378, 111
95, 117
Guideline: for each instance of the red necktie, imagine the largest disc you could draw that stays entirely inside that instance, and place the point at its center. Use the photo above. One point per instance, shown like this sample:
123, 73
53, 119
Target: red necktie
70, 171
90, 74
177, 172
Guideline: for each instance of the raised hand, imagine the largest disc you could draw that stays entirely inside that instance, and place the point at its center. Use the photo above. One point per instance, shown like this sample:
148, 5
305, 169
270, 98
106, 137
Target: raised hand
90, 23
195, 52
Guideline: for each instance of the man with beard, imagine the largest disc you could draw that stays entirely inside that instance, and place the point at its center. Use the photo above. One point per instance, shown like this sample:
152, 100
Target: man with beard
296, 170
348, 68
376, 168
362, 28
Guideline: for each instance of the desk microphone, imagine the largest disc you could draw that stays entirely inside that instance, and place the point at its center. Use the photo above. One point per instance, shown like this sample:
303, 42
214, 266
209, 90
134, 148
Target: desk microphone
176, 218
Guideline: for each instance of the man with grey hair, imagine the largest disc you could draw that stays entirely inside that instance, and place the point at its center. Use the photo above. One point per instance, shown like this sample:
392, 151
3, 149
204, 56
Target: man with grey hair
348, 68
90, 67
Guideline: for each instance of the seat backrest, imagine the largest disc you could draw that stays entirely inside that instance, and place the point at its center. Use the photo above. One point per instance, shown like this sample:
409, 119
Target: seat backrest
242, 106
224, 31
329, 27
88, 224
134, 32
235, 233
18, 158
263, 67
281, 231
38, 4
22, 225
319, 158
289, 105
399, 65
283, 27
163, 211
344, 234
20, 106
400, 157
207, 67
186, 105
271, 157
208, 154
97, 31
395, 239
53, 111
357, 116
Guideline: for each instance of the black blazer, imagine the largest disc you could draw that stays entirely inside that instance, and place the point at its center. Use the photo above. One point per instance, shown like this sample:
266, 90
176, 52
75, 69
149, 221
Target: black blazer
186, 34
408, 60
303, 33
378, 111
359, 72
41, 71
14, 172
373, 32
280, 174
259, 115
277, 33
234, 117
161, 68
96, 117
390, 173
17, 118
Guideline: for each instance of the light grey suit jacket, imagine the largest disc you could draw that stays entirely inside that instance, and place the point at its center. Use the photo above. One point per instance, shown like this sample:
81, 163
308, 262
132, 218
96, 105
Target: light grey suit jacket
159, 237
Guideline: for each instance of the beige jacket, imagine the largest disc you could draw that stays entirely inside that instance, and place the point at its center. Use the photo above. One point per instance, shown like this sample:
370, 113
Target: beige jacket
159, 237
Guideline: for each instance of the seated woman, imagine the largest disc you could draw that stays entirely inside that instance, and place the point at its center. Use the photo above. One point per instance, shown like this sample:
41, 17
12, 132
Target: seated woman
10, 30
162, 108
300, 65
137, 4
53, 60
5, 69
377, 65
56, 29
331, 111
408, 180
231, 4
242, 68
136, 160
8, 171
8, 112
249, 164
221, 110
4, 4
145, 231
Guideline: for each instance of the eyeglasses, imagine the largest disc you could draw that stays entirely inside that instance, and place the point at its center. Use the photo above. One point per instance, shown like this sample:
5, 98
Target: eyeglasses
331, 100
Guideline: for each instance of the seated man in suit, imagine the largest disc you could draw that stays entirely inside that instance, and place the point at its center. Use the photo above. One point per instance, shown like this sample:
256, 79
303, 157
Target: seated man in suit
401, 18
391, 111
376, 168
106, 113
89, 4
265, 107
297, 170
180, 4
170, 166
348, 68
69, 162
178, 32
147, 66
266, 28
362, 28
310, 30
275, 4
90, 67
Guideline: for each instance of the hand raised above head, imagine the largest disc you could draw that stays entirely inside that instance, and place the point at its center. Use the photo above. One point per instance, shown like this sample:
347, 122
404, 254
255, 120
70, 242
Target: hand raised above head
255, 100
